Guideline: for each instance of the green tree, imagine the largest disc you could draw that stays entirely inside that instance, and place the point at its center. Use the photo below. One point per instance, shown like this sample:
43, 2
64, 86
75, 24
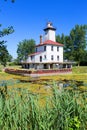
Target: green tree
25, 48
60, 39
78, 40
75, 44
4, 54
84, 60
10, 58
68, 49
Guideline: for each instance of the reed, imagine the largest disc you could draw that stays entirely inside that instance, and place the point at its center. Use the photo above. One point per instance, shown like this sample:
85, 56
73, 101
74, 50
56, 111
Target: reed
63, 110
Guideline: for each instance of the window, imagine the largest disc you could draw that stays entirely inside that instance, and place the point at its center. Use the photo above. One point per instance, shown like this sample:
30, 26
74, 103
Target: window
51, 48
57, 48
57, 58
44, 48
44, 56
31, 57
40, 58
51, 57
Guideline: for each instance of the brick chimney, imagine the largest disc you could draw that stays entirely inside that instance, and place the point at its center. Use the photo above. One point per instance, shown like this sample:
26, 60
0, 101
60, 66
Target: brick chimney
40, 39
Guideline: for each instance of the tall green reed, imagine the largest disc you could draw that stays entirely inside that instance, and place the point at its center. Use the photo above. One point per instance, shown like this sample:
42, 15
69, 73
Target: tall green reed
63, 110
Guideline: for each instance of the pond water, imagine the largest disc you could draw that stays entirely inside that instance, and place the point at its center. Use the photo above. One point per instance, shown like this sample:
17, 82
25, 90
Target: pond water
72, 83
62, 83
46, 83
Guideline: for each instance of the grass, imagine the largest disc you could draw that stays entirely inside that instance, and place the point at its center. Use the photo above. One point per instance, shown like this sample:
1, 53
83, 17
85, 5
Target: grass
80, 69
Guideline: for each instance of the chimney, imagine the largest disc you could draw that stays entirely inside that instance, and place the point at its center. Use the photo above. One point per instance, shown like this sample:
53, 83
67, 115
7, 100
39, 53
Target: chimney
40, 39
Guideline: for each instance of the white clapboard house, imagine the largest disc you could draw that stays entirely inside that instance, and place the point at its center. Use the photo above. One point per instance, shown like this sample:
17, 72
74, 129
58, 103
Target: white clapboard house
48, 53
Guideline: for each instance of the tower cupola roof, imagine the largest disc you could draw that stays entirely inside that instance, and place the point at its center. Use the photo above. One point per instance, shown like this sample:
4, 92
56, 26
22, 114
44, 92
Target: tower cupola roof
49, 26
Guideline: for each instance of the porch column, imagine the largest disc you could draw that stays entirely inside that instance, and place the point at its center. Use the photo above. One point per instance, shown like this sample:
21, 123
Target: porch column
48, 66
66, 66
37, 66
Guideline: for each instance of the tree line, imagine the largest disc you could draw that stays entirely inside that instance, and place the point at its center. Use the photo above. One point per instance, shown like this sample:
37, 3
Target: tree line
75, 44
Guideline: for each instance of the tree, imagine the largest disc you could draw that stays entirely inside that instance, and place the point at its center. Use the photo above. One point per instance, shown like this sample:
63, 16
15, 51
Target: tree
10, 58
60, 39
3, 49
84, 60
68, 49
4, 54
75, 43
25, 48
78, 40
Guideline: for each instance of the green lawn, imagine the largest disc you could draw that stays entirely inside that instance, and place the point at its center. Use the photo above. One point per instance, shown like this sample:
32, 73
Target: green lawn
80, 69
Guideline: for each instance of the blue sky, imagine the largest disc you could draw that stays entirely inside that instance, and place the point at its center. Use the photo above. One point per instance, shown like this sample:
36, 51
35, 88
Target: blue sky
29, 17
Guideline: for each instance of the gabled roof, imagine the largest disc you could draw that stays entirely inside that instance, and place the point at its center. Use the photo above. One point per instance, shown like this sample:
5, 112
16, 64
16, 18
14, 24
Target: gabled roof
36, 53
49, 42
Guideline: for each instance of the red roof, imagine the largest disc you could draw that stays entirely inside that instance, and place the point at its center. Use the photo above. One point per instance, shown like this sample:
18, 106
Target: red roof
49, 42
36, 53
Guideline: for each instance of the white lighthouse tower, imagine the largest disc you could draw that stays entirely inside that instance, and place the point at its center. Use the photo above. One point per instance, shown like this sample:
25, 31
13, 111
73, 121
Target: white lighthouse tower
50, 32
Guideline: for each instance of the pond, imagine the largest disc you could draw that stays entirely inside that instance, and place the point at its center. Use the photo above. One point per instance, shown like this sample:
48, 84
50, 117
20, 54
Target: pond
73, 83
48, 83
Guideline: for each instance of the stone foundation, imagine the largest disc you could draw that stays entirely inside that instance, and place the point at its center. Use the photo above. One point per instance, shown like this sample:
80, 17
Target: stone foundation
38, 72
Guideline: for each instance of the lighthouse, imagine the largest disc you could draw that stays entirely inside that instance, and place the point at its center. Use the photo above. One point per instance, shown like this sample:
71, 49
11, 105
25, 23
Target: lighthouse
49, 32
